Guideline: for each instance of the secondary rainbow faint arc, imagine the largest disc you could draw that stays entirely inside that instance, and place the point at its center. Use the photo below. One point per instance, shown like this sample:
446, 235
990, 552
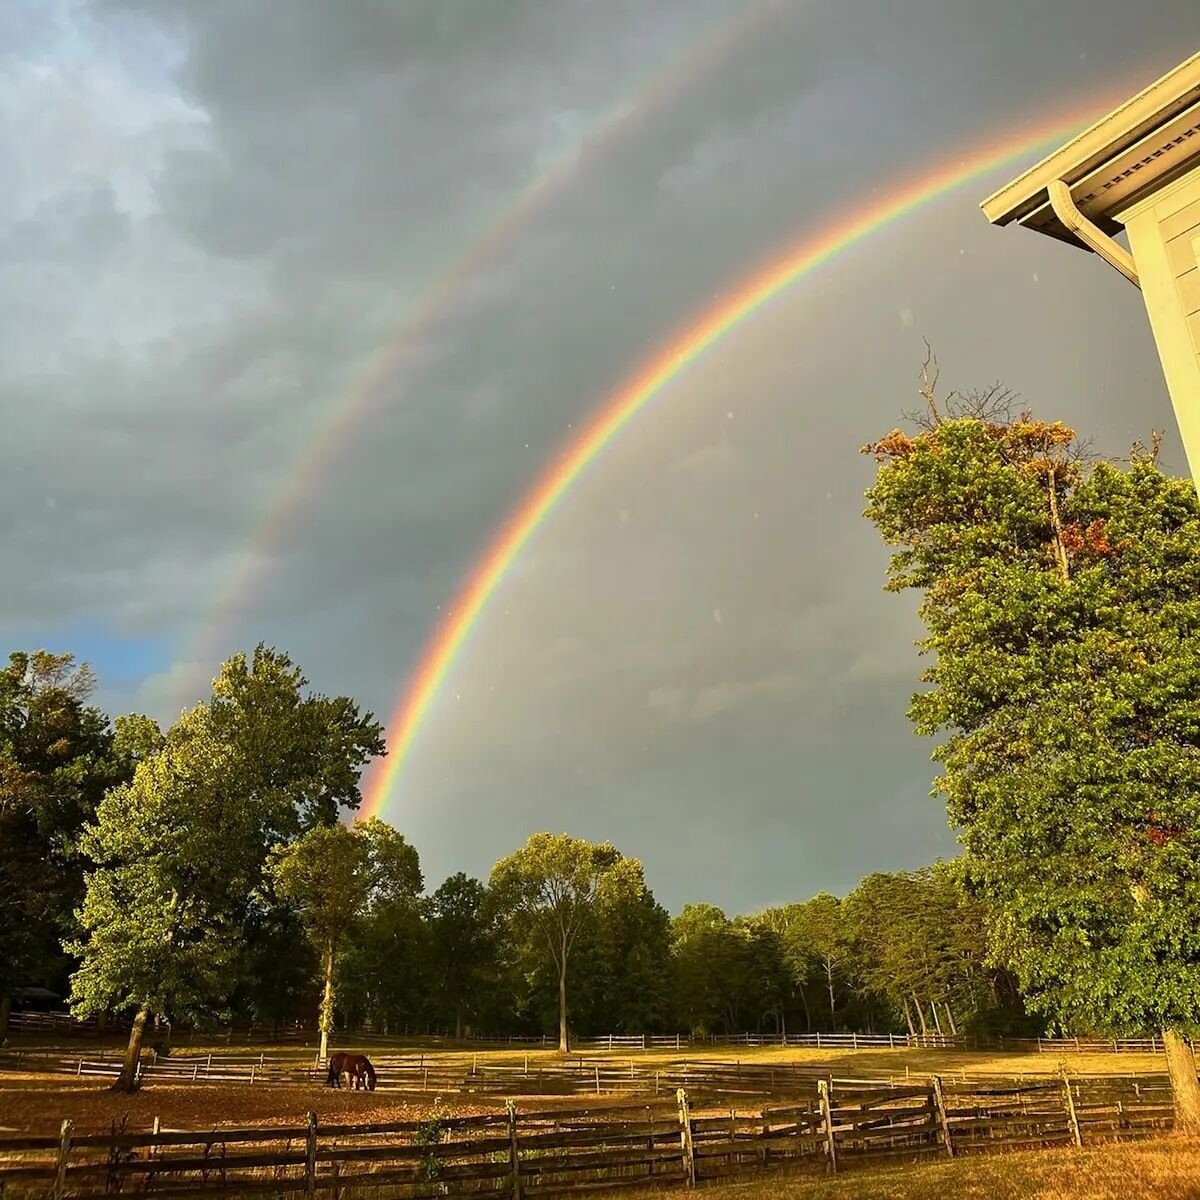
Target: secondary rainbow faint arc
612, 416
332, 431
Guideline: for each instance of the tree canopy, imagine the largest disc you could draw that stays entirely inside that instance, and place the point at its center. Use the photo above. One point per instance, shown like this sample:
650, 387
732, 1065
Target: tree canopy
1061, 601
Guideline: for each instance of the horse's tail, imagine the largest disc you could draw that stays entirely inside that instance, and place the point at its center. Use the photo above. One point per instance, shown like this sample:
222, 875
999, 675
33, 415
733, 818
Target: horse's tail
369, 1071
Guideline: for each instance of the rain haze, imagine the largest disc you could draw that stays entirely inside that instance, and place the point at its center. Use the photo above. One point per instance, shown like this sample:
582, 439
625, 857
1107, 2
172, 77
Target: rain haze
299, 300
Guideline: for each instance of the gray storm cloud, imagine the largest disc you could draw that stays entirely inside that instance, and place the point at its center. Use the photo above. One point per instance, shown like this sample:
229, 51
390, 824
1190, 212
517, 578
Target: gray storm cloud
216, 215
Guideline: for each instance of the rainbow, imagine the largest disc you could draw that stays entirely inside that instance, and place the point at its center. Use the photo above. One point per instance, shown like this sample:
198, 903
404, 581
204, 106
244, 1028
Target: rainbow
619, 410
331, 433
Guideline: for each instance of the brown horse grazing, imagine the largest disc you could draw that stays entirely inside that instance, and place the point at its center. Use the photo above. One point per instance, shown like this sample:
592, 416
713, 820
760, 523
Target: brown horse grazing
357, 1066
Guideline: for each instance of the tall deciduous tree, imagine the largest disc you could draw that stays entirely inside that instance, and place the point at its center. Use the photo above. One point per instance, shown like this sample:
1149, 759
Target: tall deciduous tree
1062, 603
57, 756
300, 755
176, 855
333, 875
180, 851
463, 951
552, 885
819, 930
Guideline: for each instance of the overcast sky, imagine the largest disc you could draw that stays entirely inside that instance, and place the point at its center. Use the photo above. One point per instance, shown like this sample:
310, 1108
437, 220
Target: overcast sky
214, 216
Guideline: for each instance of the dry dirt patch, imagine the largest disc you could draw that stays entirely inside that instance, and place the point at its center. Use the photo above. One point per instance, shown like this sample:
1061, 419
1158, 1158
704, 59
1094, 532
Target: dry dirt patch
38, 1104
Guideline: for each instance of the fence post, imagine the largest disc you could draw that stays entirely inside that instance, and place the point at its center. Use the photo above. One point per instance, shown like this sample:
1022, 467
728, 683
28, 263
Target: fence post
939, 1104
650, 1139
514, 1152
1072, 1116
597, 1079
60, 1170
310, 1156
827, 1116
685, 1138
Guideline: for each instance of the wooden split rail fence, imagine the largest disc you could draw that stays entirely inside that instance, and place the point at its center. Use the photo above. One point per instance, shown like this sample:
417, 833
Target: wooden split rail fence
528, 1154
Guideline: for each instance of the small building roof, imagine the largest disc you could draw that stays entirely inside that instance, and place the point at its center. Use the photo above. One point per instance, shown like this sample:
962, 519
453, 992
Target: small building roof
1137, 148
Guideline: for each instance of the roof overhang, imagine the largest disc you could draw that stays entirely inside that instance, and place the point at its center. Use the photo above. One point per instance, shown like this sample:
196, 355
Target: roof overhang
1136, 149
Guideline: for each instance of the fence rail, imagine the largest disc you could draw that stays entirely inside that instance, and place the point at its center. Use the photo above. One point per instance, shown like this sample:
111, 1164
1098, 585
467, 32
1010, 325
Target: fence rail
834, 1124
59, 1022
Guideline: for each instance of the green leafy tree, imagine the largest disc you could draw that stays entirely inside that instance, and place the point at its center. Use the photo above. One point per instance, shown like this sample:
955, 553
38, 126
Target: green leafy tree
704, 967
923, 947
463, 934
179, 852
552, 885
174, 856
632, 958
334, 876
1061, 601
819, 933
57, 756
299, 756
762, 973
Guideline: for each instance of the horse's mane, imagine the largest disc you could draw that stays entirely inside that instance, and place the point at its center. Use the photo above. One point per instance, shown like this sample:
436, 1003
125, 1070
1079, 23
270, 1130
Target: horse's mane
369, 1067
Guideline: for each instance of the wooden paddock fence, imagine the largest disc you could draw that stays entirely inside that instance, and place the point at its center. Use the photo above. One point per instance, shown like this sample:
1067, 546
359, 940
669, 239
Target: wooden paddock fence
482, 1074
470, 1074
64, 1023
836, 1125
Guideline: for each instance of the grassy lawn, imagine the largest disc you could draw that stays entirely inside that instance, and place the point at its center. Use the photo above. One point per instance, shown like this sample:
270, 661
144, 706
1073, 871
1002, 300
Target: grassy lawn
1166, 1169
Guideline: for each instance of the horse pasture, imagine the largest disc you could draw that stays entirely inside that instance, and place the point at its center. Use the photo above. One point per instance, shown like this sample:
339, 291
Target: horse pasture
35, 1100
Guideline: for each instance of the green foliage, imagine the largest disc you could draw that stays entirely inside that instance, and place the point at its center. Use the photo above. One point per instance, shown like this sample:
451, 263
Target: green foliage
336, 877
332, 874
174, 855
1062, 604
179, 852
57, 756
550, 888
463, 947
301, 757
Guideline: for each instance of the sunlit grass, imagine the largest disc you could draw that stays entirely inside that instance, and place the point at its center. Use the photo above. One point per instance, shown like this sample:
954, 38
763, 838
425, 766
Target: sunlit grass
850, 1063
1165, 1169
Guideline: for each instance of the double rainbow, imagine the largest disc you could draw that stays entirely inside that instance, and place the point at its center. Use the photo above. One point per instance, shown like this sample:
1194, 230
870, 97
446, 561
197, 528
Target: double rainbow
612, 416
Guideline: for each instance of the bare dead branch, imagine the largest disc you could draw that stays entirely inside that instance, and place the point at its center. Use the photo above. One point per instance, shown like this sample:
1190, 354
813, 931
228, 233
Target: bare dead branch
930, 371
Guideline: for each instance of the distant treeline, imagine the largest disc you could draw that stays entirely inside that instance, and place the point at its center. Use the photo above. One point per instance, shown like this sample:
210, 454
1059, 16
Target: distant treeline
109, 829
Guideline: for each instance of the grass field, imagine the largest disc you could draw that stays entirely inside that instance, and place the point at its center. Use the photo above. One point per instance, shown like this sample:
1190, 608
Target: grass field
1165, 1169
865, 1062
37, 1103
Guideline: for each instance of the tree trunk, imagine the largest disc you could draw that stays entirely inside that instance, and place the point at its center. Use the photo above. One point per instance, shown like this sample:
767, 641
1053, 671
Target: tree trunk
325, 1019
936, 1019
950, 1017
829, 984
1181, 1066
458, 1023
807, 1014
127, 1080
912, 1030
5, 1009
564, 1037
921, 1016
